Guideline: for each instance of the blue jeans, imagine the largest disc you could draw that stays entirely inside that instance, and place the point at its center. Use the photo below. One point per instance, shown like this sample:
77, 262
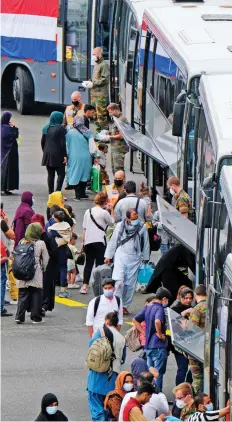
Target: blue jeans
182, 367
157, 358
164, 248
3, 285
96, 406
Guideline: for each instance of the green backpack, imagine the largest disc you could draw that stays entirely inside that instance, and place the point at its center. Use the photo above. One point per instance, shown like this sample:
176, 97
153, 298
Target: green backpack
101, 352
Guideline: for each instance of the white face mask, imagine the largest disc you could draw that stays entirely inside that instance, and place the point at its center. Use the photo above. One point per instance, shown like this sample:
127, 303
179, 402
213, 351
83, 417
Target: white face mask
127, 387
94, 59
51, 410
172, 192
180, 403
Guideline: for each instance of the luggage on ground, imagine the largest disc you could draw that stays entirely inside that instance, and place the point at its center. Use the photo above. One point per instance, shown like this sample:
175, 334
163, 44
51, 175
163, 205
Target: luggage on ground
101, 273
144, 275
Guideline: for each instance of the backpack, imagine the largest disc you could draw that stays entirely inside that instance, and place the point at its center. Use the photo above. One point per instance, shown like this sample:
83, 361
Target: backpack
97, 301
23, 266
132, 339
101, 352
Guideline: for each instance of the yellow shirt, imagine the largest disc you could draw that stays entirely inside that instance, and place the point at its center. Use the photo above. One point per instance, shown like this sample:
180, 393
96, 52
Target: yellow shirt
71, 112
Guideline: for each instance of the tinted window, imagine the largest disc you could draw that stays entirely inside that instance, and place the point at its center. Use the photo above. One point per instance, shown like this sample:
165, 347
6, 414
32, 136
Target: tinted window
131, 50
124, 26
76, 39
103, 24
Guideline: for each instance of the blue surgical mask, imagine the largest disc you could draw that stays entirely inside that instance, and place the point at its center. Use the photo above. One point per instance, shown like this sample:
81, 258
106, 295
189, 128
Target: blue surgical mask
134, 222
209, 407
108, 293
51, 410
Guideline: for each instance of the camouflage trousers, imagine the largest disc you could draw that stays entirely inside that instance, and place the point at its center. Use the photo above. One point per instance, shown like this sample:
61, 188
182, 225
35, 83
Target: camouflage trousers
197, 374
117, 161
101, 112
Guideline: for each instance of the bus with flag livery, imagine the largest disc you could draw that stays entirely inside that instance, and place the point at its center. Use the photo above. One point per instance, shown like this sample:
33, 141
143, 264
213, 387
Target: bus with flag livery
46, 48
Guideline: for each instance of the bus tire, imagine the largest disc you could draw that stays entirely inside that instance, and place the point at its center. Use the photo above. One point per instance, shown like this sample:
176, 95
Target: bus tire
23, 90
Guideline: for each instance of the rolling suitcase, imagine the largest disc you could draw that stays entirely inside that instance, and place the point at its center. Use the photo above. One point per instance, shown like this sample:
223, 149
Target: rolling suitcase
99, 274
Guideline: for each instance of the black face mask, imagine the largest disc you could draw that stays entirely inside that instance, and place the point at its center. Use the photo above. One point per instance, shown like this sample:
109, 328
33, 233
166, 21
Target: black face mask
76, 103
118, 183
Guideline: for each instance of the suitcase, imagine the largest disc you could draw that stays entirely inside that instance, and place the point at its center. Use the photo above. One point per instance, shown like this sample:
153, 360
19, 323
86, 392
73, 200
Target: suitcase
99, 274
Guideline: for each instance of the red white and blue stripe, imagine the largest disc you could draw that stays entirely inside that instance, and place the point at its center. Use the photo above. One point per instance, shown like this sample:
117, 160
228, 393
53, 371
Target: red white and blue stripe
29, 29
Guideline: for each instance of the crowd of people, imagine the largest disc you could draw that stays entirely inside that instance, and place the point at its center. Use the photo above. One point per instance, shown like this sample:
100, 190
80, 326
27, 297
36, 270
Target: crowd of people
37, 255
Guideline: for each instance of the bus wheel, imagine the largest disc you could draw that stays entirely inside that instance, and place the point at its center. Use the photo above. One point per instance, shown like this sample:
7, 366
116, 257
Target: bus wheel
23, 90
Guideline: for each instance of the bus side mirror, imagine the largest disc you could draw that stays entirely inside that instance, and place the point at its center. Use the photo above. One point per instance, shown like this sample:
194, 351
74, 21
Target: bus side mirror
178, 114
104, 12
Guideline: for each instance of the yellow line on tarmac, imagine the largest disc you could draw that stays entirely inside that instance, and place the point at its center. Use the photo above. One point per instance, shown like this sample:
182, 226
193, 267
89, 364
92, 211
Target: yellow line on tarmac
70, 302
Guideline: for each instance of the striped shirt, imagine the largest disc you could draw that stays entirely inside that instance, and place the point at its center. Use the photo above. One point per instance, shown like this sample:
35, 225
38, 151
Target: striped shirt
212, 415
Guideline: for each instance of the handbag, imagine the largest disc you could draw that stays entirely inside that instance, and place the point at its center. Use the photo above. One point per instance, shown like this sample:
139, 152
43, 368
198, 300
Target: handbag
81, 259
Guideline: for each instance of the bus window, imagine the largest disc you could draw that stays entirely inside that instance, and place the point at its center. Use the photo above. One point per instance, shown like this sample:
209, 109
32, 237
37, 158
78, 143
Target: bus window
131, 50
124, 27
102, 29
150, 67
76, 40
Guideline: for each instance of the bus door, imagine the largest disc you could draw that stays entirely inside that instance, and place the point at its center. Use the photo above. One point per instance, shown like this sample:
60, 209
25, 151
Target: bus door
181, 228
114, 53
77, 48
224, 313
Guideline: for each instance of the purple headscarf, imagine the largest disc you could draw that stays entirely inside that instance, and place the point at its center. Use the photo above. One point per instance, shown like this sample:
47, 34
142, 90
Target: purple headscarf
8, 135
23, 216
79, 124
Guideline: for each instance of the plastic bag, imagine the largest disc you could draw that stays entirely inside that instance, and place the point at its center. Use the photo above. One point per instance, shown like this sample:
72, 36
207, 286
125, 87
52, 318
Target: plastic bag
96, 179
144, 275
19, 140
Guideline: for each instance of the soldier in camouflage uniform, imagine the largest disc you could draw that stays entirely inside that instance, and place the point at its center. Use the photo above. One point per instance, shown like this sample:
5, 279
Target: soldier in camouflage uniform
99, 87
183, 201
119, 147
197, 316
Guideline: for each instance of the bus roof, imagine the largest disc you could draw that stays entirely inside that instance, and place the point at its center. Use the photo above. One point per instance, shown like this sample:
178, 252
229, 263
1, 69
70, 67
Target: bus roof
226, 188
194, 44
216, 99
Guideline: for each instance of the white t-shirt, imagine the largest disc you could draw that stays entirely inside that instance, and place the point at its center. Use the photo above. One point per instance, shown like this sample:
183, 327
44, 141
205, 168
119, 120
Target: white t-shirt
157, 405
93, 233
105, 306
126, 398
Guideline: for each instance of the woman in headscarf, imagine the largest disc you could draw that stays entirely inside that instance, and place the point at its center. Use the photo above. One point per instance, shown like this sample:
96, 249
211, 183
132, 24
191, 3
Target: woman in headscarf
54, 150
49, 411
113, 400
31, 292
52, 271
80, 147
23, 216
56, 198
9, 154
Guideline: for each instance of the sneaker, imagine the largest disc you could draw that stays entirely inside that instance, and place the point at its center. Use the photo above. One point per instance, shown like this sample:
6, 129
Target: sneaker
76, 199
64, 295
7, 302
14, 302
5, 313
18, 321
38, 322
85, 197
125, 311
83, 290
72, 286
43, 312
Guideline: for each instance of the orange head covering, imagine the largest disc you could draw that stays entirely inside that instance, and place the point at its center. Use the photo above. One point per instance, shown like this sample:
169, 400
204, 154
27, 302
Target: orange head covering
121, 379
114, 398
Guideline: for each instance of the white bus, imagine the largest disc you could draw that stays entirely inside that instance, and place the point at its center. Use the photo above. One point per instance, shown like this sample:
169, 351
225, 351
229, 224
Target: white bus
171, 57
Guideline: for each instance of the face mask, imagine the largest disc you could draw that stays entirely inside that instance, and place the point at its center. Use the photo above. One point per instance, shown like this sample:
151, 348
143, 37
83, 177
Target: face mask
76, 103
118, 182
94, 58
134, 222
165, 305
180, 404
209, 407
172, 192
127, 386
51, 410
108, 293
33, 201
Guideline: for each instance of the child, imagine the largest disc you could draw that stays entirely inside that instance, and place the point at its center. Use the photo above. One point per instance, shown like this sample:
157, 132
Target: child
165, 238
73, 272
72, 215
145, 193
101, 156
62, 233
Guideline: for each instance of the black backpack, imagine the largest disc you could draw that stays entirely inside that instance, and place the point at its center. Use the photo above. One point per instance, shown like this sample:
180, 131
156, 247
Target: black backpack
23, 266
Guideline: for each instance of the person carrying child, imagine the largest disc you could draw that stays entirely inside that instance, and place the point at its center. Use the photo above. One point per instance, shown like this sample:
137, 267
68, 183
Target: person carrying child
62, 233
101, 156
